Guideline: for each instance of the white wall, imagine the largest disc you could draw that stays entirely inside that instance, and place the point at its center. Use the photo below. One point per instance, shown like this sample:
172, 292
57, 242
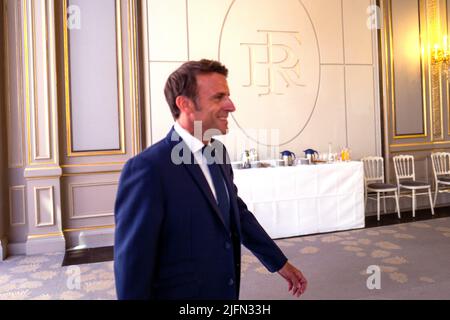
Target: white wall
323, 84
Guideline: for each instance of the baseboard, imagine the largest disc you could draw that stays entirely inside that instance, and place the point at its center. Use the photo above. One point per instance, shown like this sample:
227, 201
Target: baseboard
45, 245
15, 249
3, 248
90, 238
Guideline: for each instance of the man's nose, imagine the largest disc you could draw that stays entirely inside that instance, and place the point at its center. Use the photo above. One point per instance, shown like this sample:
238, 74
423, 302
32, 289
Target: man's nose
229, 106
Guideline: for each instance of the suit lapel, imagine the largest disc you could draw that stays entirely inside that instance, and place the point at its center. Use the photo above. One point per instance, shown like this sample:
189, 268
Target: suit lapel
194, 170
231, 193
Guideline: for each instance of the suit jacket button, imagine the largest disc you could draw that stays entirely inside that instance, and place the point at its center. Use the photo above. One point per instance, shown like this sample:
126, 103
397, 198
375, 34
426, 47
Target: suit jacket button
227, 245
231, 282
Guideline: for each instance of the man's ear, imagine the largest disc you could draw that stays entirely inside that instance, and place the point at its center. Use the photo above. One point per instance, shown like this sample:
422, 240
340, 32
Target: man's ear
185, 104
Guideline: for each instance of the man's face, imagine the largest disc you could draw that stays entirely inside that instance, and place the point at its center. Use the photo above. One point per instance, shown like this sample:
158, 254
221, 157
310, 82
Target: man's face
213, 102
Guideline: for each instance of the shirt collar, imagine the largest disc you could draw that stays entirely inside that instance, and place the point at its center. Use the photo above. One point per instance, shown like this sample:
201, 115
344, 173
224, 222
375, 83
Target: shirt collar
192, 142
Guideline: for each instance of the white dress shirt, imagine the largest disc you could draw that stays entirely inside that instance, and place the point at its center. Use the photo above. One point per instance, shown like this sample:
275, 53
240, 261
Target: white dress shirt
196, 148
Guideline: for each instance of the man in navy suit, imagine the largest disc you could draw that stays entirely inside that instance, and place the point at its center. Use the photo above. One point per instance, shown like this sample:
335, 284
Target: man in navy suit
179, 220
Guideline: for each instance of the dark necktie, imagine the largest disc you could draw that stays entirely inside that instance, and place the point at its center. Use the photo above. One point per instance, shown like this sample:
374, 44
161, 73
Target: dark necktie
219, 184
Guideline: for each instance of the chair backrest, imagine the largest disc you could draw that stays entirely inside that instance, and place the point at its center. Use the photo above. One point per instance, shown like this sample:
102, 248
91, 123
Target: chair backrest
441, 163
373, 169
404, 167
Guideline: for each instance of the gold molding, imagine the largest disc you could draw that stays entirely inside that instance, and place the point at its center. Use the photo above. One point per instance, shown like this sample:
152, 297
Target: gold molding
47, 235
434, 74
391, 81
45, 105
414, 144
120, 85
38, 224
92, 164
447, 88
26, 56
89, 228
134, 104
72, 186
27, 77
77, 174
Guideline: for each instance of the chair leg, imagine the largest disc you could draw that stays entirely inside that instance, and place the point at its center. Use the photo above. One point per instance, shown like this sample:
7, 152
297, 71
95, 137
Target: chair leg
378, 206
431, 203
414, 203
384, 204
397, 204
436, 191
365, 200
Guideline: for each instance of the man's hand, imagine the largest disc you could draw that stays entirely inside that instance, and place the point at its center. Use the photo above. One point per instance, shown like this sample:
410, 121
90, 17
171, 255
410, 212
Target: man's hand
297, 281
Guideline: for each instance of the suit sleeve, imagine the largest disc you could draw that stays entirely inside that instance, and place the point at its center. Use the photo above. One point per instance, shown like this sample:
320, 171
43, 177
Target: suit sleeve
138, 218
256, 239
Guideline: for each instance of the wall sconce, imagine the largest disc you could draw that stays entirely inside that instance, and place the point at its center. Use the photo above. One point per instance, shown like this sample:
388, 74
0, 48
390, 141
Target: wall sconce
441, 56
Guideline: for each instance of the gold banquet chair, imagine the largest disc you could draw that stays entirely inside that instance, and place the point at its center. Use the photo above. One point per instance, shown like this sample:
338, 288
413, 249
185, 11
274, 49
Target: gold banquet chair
374, 182
406, 179
441, 171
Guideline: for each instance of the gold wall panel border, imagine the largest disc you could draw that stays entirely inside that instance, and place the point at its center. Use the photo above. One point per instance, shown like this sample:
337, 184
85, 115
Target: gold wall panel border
447, 85
46, 235
89, 228
71, 203
120, 86
27, 27
390, 77
434, 74
36, 108
133, 79
37, 205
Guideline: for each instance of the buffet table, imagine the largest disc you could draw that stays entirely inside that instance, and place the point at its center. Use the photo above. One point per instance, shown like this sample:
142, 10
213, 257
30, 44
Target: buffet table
304, 199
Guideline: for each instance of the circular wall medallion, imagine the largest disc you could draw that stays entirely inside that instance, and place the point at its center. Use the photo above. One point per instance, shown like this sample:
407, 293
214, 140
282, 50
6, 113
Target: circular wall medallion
272, 52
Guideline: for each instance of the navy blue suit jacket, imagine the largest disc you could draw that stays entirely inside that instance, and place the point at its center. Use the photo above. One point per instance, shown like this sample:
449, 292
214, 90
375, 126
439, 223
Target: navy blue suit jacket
170, 239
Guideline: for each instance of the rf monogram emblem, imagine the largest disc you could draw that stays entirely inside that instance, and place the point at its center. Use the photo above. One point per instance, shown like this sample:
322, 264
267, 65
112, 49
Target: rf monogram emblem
281, 66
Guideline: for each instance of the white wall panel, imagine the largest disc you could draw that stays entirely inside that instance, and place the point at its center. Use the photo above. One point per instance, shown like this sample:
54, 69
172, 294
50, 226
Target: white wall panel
315, 106
328, 24
328, 121
360, 111
167, 30
357, 35
204, 29
94, 80
161, 116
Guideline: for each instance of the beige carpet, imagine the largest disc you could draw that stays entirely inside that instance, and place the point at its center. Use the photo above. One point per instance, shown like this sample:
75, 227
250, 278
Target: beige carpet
414, 259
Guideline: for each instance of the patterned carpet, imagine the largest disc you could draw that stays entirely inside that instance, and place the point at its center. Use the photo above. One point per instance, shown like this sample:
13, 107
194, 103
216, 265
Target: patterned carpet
41, 277
413, 257
414, 260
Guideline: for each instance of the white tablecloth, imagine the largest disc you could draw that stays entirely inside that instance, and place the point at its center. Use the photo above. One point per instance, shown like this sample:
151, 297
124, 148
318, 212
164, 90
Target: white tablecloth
304, 199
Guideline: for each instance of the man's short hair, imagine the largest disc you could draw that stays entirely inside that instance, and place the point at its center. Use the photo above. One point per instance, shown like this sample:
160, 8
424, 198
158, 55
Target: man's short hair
183, 81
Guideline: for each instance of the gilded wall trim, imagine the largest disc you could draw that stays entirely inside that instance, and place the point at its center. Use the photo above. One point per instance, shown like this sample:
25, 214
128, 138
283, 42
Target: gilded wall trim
39, 204
30, 73
435, 81
43, 236
98, 214
89, 228
120, 85
391, 82
133, 81
42, 149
